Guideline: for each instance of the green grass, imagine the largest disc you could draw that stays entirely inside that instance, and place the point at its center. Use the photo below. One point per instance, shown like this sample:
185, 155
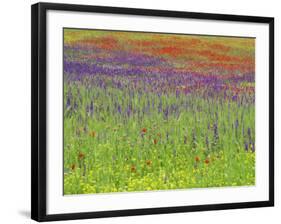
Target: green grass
108, 152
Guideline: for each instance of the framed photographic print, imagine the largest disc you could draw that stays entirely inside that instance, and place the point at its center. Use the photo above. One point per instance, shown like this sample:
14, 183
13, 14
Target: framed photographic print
139, 111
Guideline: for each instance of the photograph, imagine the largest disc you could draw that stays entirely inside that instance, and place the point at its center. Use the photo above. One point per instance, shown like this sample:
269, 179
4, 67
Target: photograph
139, 111
151, 111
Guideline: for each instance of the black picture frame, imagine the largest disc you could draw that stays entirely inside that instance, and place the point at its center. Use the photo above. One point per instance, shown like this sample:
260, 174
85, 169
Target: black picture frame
38, 108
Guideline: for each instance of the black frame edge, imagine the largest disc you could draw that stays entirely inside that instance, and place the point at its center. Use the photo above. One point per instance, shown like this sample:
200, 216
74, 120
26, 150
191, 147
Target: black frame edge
154, 12
271, 112
34, 114
156, 211
38, 111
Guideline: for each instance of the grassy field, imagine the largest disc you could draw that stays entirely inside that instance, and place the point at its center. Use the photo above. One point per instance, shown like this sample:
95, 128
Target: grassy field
152, 112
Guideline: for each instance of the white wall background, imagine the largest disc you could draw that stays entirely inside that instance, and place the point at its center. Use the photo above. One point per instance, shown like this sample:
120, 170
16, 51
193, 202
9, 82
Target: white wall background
15, 110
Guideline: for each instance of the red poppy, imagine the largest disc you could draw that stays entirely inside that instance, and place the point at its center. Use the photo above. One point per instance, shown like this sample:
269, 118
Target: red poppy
143, 130
207, 161
155, 141
81, 155
197, 159
92, 134
133, 168
148, 162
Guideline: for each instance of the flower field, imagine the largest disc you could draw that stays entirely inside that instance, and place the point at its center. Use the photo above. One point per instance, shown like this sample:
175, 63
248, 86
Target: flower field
150, 111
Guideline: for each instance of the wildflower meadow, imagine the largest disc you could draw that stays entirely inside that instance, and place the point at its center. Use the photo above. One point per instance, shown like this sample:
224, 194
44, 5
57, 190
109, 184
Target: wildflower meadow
155, 111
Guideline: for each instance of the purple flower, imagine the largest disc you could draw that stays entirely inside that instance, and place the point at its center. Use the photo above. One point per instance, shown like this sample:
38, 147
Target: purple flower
119, 109
249, 133
91, 108
166, 113
207, 141
177, 93
216, 133
246, 146
129, 111
68, 103
253, 146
